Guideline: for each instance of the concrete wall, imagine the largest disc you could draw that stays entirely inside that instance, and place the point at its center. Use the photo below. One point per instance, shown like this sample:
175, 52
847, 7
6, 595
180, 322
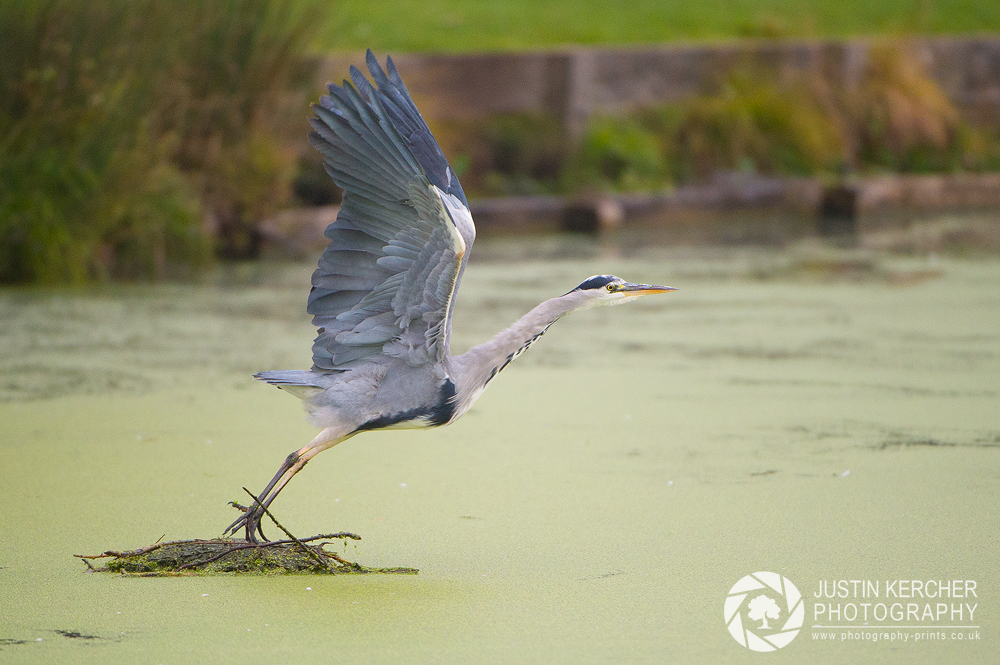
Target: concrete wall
576, 83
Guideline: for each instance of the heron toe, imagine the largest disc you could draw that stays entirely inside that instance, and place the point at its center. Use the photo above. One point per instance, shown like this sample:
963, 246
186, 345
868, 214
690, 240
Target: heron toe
248, 521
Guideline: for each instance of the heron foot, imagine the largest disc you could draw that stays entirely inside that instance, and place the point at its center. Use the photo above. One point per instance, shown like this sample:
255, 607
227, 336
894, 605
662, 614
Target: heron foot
249, 522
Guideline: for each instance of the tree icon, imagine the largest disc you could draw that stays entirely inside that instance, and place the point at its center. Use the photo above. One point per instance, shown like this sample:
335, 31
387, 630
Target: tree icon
762, 608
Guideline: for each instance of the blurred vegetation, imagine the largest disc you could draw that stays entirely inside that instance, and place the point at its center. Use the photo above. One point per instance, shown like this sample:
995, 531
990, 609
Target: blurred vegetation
512, 154
625, 153
126, 124
754, 124
236, 103
139, 139
902, 121
896, 119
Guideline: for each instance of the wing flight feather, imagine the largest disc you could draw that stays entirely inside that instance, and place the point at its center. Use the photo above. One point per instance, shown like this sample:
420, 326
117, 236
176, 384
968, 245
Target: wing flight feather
386, 282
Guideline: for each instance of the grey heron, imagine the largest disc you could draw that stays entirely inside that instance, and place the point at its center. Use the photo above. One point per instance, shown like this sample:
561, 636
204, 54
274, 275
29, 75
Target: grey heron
383, 294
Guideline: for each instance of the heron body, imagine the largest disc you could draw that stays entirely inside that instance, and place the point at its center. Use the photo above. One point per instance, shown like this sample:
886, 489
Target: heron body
383, 294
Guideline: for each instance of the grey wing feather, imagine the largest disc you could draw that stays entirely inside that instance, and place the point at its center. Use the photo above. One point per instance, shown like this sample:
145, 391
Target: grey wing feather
386, 282
400, 107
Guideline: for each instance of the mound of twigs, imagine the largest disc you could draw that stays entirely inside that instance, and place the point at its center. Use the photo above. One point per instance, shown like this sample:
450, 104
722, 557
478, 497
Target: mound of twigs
224, 555
232, 555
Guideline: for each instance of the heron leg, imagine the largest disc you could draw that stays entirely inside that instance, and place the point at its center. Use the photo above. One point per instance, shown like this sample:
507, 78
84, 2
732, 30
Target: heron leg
255, 512
251, 518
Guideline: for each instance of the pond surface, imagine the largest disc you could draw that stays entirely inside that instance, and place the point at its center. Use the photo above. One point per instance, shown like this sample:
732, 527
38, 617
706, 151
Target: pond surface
822, 415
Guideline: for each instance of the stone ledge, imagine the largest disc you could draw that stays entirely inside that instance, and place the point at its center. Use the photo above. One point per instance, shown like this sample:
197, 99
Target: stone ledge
732, 209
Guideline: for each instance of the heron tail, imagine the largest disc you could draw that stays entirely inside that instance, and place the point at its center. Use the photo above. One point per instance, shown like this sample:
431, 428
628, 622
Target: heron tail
301, 383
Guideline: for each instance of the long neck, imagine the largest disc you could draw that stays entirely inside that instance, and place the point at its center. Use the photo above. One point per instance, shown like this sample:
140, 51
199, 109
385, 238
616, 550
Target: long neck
475, 368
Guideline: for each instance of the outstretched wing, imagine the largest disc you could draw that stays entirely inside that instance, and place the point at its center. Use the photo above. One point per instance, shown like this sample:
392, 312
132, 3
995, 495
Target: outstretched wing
387, 280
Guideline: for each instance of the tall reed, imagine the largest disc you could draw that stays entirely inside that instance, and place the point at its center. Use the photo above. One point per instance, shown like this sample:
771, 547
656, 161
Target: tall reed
129, 128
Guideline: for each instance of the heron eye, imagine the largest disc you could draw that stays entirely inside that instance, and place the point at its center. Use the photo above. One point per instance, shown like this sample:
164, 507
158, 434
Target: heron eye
611, 288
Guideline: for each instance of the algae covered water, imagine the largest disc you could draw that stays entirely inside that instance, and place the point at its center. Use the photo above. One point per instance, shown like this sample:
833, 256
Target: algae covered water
820, 416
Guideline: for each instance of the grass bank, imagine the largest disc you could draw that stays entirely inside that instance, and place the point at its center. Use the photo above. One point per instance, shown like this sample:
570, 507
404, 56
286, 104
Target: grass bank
478, 25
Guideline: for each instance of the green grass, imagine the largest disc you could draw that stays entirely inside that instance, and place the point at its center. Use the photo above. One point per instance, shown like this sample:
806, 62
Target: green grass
488, 25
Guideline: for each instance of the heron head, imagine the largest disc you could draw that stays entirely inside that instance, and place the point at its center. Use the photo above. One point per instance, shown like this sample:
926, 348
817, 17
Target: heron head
611, 290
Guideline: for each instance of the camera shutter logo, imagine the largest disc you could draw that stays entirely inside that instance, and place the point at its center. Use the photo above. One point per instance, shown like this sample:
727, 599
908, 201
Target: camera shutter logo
764, 611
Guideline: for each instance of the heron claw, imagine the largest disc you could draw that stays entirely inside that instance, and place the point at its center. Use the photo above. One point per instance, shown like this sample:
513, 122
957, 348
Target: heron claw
248, 521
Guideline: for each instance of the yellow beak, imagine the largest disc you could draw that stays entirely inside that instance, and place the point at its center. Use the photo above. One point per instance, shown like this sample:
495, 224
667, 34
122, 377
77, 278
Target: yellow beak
644, 289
